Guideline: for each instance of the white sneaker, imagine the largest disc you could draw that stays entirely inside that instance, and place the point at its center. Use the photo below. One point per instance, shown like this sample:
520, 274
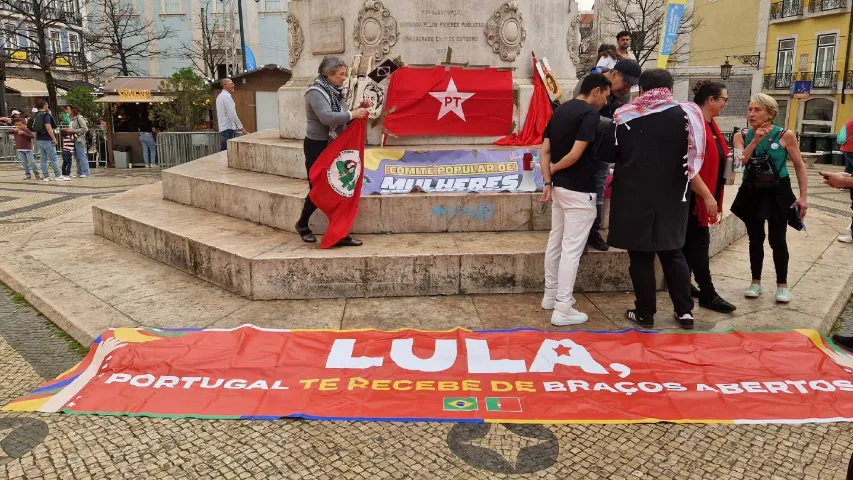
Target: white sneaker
549, 299
82, 176
573, 317
74, 175
64, 179
846, 238
783, 295
46, 179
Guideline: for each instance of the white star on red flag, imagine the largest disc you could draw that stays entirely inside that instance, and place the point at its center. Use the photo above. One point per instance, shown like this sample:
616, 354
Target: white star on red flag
451, 100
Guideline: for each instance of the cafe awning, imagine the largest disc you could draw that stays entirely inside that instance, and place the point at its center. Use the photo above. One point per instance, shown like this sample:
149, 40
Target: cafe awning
119, 99
30, 87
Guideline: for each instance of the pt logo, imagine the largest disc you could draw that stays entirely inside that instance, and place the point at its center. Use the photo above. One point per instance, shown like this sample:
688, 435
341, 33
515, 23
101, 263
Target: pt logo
504, 447
18, 436
451, 100
344, 172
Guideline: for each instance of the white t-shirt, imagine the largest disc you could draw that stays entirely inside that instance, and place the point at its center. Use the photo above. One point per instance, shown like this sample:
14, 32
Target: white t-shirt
629, 55
606, 62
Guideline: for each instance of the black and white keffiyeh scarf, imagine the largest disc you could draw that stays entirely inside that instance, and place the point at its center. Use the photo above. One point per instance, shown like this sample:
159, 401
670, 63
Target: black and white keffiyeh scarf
334, 96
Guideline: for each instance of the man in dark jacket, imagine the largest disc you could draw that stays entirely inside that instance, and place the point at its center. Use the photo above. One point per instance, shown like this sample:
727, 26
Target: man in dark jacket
648, 212
623, 76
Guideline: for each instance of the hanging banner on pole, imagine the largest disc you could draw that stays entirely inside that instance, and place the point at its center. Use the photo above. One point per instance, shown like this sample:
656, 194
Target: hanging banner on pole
669, 30
518, 376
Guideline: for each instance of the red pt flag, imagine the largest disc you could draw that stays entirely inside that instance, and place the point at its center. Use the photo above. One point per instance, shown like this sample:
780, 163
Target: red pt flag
336, 179
538, 116
455, 101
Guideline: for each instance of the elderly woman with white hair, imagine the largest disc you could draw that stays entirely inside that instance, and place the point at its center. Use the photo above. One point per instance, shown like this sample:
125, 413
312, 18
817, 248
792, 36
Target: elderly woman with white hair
766, 196
327, 118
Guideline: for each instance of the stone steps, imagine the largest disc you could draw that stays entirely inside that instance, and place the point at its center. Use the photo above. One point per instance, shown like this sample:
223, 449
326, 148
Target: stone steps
277, 201
264, 263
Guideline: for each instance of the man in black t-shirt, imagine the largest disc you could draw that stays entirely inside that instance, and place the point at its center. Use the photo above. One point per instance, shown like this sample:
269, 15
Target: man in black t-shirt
568, 168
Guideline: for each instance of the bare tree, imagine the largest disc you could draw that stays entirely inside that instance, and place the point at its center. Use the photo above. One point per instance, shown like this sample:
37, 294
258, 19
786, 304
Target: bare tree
208, 52
644, 18
120, 37
30, 34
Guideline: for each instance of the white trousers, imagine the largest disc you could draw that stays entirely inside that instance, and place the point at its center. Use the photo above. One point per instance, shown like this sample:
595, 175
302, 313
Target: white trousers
572, 215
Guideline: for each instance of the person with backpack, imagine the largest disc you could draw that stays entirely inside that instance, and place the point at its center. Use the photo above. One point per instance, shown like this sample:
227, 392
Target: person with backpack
43, 124
78, 128
766, 196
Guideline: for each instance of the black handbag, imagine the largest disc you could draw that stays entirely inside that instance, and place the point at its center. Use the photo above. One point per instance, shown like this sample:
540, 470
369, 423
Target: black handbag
761, 171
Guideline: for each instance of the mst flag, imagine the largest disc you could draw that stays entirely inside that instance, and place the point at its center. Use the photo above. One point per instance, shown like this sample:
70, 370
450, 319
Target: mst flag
455, 101
336, 181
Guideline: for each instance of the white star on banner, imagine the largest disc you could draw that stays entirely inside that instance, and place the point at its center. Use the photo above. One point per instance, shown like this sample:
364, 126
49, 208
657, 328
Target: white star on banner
451, 100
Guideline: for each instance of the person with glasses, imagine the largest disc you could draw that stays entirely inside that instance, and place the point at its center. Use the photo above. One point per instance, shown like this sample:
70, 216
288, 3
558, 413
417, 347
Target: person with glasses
706, 198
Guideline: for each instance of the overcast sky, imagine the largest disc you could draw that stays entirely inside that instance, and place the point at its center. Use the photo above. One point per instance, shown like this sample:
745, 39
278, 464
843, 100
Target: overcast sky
586, 4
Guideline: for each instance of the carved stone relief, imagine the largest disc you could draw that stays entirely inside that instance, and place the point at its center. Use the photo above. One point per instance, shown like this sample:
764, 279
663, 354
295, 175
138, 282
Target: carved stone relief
573, 40
375, 30
505, 31
296, 39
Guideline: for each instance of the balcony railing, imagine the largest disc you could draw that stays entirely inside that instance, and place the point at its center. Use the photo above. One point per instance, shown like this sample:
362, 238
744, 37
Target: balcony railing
778, 81
848, 80
786, 8
67, 12
61, 59
814, 6
795, 8
821, 79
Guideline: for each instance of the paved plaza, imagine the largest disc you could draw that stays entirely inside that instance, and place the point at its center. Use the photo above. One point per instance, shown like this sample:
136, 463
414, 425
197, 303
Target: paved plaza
86, 284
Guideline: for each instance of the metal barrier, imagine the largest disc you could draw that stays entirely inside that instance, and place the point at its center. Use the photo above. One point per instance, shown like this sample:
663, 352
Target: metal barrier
96, 146
176, 148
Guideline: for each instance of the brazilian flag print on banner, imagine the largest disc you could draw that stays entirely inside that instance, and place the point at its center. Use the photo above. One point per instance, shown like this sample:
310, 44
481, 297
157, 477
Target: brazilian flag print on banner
460, 404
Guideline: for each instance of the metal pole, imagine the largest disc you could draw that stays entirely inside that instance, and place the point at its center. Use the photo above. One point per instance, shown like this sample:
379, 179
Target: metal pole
242, 35
847, 59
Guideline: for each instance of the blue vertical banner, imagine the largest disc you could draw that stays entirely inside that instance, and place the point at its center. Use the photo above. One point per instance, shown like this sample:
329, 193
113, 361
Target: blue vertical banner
669, 29
251, 63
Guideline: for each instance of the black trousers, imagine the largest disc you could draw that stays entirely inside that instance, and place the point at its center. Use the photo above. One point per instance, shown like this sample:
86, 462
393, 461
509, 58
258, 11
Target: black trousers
675, 272
777, 229
696, 251
312, 149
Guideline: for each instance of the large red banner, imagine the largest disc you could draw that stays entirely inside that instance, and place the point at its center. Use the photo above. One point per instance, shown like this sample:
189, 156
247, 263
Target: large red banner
449, 101
459, 375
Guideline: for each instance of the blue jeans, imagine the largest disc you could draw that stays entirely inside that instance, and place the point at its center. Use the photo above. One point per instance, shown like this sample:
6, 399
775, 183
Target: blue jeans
67, 158
149, 148
28, 160
47, 151
601, 174
226, 135
82, 159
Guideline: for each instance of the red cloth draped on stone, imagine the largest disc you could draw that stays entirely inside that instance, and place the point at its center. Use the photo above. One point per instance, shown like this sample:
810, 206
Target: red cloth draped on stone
538, 115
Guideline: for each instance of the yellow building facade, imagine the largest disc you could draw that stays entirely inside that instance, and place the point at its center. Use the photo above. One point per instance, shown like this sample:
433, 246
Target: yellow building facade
809, 40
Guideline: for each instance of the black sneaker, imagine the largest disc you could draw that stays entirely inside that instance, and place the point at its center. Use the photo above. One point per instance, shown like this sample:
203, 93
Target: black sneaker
595, 241
694, 292
685, 319
717, 304
845, 342
635, 317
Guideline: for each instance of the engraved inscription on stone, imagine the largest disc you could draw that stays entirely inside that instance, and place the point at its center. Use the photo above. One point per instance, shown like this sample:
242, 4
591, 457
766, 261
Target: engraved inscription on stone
439, 28
327, 36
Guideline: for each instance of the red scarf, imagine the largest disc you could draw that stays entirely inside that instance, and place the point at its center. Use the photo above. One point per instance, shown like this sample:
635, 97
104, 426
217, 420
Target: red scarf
710, 171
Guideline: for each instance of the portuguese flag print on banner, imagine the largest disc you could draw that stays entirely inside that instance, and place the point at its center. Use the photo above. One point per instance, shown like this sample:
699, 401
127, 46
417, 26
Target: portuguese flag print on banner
336, 180
497, 376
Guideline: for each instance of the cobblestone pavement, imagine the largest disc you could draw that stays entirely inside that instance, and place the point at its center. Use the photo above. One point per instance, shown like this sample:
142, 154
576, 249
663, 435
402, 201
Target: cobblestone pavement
25, 202
36, 446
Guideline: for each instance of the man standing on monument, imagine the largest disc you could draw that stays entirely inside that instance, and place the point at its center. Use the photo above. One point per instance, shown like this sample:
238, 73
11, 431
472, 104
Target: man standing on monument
226, 113
622, 76
568, 168
648, 208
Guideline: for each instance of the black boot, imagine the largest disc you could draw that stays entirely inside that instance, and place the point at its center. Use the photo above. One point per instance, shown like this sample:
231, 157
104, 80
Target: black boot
595, 241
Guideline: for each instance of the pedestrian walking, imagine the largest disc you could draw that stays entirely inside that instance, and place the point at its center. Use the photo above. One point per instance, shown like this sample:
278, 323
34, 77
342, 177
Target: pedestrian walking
326, 119
79, 127
24, 147
43, 125
766, 196
226, 113
706, 198
568, 168
648, 206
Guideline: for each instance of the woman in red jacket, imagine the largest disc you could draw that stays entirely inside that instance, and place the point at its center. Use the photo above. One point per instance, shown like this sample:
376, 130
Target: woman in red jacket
706, 200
